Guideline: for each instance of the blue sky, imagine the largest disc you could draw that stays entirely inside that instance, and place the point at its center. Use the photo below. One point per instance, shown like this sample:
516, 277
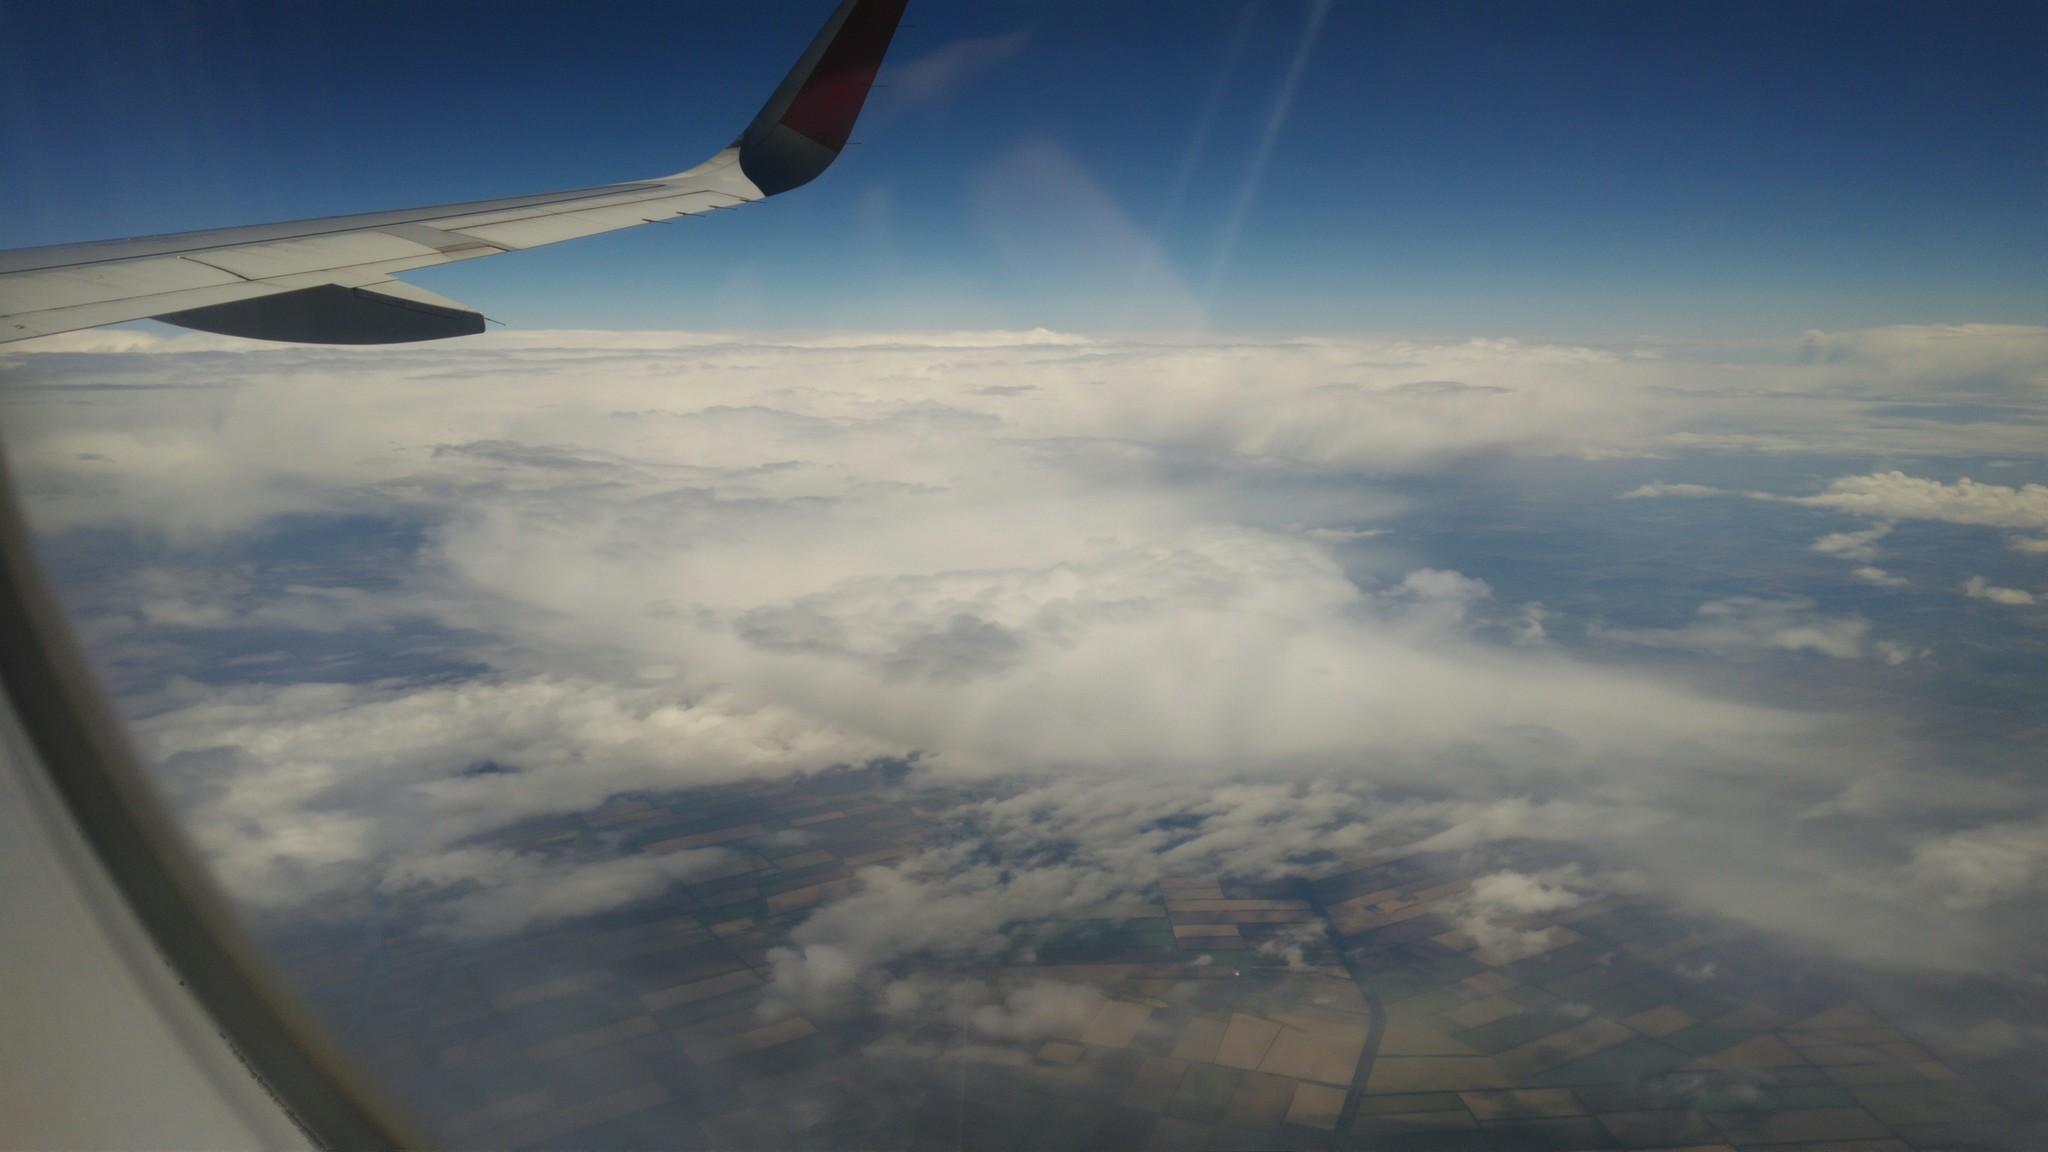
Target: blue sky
1442, 169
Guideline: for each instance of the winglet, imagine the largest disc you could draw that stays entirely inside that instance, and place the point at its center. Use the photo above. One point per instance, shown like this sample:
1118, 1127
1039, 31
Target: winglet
803, 127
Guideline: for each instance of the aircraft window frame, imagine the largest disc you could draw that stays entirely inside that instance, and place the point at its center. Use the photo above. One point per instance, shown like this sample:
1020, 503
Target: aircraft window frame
114, 808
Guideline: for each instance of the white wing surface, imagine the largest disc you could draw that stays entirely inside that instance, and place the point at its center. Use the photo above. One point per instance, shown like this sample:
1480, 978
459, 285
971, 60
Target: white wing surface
330, 281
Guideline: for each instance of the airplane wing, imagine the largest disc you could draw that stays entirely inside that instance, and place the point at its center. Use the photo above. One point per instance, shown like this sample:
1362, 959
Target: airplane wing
330, 281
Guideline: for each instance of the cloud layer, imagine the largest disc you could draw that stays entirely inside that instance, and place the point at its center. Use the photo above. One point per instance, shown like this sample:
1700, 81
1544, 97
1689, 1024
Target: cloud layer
1144, 584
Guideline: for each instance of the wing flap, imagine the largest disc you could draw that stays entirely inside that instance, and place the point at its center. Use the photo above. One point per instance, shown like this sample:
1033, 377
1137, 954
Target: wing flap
384, 313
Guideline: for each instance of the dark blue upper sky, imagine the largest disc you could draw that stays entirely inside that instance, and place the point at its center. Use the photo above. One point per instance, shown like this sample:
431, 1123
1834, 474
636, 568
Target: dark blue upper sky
1441, 168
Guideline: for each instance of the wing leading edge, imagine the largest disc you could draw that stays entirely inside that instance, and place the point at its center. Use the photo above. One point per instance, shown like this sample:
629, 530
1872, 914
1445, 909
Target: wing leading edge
331, 281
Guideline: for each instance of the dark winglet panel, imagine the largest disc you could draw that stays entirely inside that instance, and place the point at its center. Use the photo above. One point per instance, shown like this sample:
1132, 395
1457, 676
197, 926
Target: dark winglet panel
803, 128
331, 314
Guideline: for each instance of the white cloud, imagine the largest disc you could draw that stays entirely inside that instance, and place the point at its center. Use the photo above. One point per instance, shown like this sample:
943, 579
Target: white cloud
1070, 848
1038, 1009
480, 892
1897, 496
1344, 535
1911, 360
729, 557
1084, 848
1659, 488
1853, 545
1099, 562
985, 1020
1531, 629
1509, 893
1741, 625
1451, 587
1497, 911
1977, 588
303, 790
1984, 866
1893, 496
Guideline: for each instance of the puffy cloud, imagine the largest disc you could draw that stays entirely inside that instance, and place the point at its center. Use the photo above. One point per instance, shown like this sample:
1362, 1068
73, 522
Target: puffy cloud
1894, 496
1444, 587
477, 892
1082, 848
1853, 545
987, 1020
1659, 488
1038, 1009
1993, 864
1718, 835
1915, 358
1072, 848
1344, 535
814, 975
301, 790
1498, 910
1741, 625
1978, 588
1897, 496
1510, 893
693, 558
1887, 497
1529, 629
